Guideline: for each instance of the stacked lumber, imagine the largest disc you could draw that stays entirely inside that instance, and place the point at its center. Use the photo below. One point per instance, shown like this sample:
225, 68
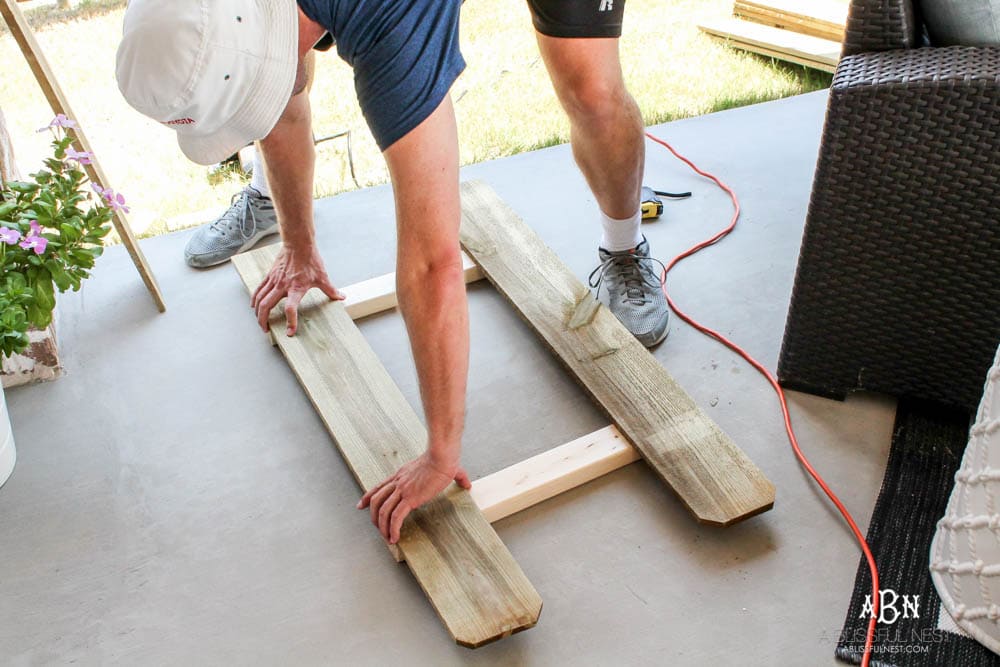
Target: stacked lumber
816, 18
805, 33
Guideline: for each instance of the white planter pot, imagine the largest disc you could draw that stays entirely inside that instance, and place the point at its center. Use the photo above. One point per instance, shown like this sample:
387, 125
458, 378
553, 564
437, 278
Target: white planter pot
8, 455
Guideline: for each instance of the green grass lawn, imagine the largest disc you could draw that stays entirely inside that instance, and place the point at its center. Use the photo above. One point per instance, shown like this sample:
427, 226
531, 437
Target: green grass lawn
504, 101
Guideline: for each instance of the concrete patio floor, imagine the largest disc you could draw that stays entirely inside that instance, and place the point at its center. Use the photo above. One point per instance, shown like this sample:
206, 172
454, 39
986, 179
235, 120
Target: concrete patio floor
177, 500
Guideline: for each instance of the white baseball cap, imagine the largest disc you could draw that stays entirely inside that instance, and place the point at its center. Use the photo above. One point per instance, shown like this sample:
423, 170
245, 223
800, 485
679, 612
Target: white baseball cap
219, 72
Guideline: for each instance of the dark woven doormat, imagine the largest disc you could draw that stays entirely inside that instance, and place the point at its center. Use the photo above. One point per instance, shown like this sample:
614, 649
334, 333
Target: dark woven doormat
927, 447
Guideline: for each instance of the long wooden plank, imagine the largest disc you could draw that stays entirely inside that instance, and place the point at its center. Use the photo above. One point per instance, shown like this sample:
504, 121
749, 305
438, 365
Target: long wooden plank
830, 12
471, 579
712, 477
776, 42
825, 19
29, 46
788, 58
550, 473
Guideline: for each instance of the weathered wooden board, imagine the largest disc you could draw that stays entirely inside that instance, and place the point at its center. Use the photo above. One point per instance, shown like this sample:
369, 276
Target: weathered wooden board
819, 18
59, 103
471, 579
713, 478
805, 50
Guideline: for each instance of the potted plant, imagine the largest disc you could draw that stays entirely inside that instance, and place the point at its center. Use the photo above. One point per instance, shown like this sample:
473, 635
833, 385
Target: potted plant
52, 229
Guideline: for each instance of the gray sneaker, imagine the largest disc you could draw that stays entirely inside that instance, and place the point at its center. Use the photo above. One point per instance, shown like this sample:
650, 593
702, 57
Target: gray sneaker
632, 292
251, 217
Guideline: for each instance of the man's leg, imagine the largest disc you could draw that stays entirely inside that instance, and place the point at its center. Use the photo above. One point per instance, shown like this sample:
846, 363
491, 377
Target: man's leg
606, 132
605, 124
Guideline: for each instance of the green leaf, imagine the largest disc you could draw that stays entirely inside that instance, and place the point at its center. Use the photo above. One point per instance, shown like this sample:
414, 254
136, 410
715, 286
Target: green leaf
70, 233
45, 294
62, 279
22, 187
38, 316
16, 281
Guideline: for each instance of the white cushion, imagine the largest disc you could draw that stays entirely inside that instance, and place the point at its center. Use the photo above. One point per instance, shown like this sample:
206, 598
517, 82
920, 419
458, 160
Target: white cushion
965, 551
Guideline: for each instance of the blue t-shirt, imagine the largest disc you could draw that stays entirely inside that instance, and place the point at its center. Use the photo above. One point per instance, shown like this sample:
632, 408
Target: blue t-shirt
405, 56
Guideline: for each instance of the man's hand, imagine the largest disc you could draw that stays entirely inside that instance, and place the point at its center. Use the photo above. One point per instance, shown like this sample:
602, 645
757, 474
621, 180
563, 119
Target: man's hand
292, 275
413, 485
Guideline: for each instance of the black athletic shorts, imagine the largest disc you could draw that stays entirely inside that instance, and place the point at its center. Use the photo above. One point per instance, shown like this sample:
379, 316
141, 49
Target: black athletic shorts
578, 18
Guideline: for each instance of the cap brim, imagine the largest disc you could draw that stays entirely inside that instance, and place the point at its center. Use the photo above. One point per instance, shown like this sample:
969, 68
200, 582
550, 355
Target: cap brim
267, 96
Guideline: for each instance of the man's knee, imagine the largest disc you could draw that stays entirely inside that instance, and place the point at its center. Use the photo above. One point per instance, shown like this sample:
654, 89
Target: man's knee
589, 99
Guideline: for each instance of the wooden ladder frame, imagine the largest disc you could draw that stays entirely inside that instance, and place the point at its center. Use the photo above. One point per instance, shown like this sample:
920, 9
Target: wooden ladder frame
532, 481
721, 470
46, 79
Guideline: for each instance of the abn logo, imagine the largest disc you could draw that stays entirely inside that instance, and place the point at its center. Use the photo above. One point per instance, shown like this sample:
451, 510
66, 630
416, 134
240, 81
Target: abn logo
888, 612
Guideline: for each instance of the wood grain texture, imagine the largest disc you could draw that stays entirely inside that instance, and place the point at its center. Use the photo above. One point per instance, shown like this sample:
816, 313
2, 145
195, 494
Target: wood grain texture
825, 19
550, 473
46, 79
471, 579
805, 50
712, 477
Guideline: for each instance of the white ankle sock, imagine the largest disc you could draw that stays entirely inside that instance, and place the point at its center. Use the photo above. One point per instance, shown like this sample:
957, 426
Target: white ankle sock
623, 234
258, 180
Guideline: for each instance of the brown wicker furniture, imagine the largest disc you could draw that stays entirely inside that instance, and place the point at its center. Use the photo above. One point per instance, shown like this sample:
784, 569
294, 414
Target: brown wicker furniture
898, 282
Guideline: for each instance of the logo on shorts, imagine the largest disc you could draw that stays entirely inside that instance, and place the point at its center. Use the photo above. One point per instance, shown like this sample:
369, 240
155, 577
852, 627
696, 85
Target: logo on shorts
607, 5
180, 121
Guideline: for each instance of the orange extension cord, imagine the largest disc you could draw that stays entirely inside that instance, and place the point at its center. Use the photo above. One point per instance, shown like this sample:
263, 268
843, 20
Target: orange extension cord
774, 383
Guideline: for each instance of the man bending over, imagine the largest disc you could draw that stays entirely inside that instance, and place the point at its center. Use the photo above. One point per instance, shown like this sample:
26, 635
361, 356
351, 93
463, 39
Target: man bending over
228, 72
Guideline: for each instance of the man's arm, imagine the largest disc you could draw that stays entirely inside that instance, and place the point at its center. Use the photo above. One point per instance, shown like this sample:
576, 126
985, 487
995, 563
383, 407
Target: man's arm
424, 170
289, 157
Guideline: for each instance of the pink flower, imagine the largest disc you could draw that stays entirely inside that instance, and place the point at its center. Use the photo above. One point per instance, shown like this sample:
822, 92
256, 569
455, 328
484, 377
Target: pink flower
119, 203
83, 157
36, 243
9, 236
114, 201
36, 229
59, 121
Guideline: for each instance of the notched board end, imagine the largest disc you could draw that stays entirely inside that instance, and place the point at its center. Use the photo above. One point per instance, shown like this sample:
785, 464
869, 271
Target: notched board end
723, 522
506, 631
